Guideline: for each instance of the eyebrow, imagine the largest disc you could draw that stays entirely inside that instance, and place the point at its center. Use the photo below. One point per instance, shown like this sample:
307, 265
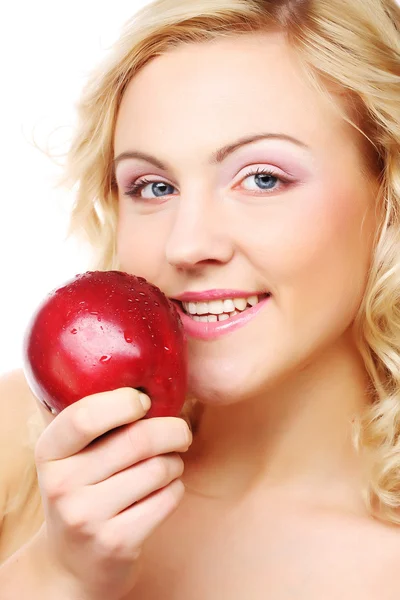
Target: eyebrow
219, 155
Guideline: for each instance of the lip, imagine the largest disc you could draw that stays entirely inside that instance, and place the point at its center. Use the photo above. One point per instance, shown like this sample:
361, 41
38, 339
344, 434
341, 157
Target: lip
210, 331
215, 295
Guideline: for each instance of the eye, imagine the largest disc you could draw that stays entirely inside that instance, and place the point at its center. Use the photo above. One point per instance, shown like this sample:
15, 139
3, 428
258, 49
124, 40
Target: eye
263, 180
149, 190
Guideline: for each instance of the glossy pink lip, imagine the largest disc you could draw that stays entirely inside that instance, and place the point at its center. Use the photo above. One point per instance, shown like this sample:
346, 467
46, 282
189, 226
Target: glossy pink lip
210, 331
215, 295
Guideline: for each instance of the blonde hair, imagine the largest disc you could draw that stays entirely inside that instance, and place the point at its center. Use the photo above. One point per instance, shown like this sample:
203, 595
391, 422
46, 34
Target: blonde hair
354, 45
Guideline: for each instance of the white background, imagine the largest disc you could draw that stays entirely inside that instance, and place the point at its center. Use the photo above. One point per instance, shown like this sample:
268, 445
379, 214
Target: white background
47, 48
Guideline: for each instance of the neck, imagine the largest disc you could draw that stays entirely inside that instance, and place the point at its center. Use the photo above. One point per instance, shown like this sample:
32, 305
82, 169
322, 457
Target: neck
296, 437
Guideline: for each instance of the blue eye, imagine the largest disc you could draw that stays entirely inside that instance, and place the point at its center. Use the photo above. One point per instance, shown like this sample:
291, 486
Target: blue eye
263, 180
143, 188
260, 180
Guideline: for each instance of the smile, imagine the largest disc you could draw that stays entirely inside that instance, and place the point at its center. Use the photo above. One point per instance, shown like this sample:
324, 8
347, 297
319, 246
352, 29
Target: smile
211, 319
219, 310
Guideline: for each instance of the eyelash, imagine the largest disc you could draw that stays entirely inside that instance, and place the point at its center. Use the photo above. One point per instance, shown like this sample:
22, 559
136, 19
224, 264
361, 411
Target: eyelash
137, 186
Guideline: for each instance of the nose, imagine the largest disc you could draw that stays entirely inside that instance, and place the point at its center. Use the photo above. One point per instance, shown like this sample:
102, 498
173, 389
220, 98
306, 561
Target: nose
199, 234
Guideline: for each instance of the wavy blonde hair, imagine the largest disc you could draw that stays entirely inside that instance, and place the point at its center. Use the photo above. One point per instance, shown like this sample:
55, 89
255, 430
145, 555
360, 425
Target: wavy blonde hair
355, 46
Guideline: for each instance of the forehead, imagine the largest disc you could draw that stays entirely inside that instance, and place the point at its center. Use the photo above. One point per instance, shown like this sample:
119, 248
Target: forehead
213, 92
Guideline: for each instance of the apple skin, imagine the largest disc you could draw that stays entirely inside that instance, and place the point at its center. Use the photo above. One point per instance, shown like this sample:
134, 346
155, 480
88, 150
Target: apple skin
105, 330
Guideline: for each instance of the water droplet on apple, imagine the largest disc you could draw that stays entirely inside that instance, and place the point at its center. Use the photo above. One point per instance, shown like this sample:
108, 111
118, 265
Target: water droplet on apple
94, 312
144, 318
156, 303
106, 358
128, 338
167, 349
74, 331
142, 294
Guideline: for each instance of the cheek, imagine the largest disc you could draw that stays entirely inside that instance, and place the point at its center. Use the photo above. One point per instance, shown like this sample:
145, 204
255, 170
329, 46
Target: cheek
140, 244
319, 254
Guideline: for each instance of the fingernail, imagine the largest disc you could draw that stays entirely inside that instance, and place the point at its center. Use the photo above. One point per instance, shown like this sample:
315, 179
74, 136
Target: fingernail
144, 401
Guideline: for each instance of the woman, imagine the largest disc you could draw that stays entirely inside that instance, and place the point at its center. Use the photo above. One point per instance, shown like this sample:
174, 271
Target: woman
243, 156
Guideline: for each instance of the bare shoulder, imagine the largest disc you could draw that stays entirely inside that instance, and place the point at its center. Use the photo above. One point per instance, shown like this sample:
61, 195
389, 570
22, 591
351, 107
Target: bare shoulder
17, 409
17, 405
20, 425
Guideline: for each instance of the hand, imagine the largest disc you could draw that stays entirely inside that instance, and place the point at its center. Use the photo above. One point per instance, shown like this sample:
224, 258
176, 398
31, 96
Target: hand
108, 480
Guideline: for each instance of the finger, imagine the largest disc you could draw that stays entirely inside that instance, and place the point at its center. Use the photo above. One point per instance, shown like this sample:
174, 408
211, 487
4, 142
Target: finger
125, 447
110, 497
82, 422
129, 529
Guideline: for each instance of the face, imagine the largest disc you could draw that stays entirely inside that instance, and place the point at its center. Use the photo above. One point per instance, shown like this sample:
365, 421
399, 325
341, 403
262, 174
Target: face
243, 181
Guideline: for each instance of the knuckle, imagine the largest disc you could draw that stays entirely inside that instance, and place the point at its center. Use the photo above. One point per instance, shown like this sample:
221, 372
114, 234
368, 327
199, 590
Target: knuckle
109, 542
54, 488
165, 468
74, 517
160, 468
140, 440
81, 420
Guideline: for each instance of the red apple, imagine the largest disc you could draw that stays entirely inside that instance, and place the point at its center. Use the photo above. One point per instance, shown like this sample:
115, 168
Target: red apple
104, 330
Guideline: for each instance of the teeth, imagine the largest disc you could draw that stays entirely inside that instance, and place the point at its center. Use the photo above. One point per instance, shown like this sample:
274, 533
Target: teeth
216, 307
240, 303
190, 307
223, 317
228, 306
221, 309
208, 318
202, 308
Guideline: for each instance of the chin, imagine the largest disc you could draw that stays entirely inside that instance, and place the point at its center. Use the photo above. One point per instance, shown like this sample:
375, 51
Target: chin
224, 387
222, 378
